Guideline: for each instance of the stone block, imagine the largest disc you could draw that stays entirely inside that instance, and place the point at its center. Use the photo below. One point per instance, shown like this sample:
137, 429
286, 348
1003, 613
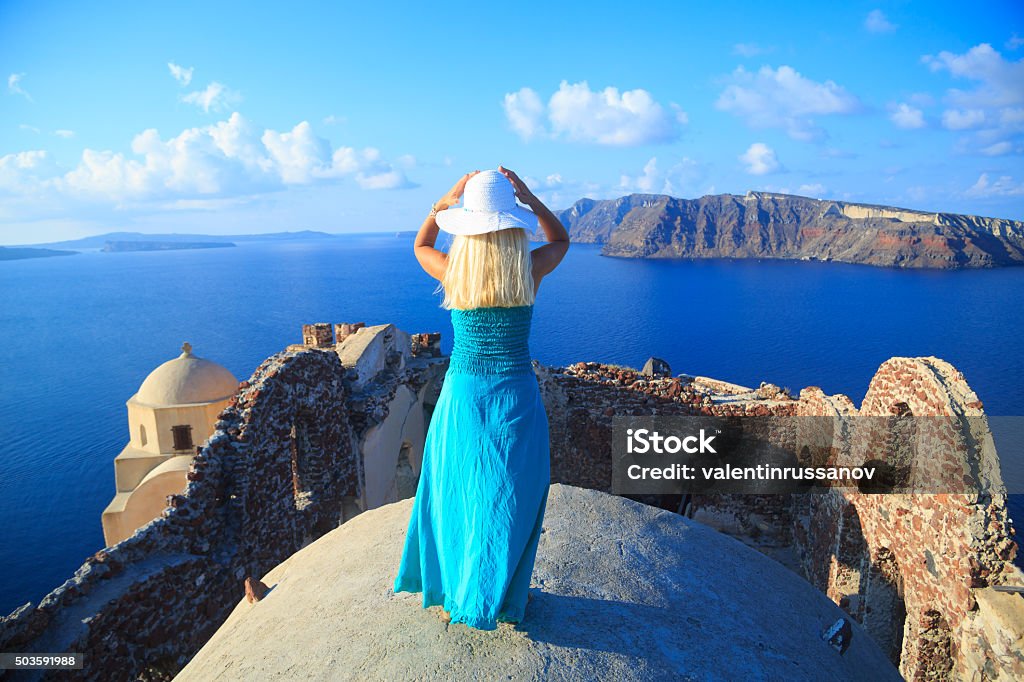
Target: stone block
371, 350
317, 335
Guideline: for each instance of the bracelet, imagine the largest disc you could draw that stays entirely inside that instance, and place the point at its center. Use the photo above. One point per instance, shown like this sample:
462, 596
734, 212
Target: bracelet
434, 210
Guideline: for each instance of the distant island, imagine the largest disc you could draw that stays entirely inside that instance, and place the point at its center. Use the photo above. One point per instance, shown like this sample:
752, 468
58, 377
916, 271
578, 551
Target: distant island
20, 253
786, 226
760, 225
137, 245
98, 241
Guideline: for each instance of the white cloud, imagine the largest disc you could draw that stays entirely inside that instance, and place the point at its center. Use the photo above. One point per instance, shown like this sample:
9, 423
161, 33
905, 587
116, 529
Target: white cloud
782, 98
760, 159
215, 97
558, 192
392, 179
525, 113
816, 190
368, 167
31, 129
994, 109
299, 155
65, 133
19, 171
1004, 186
1012, 117
956, 119
237, 138
605, 117
1015, 42
108, 174
180, 73
750, 49
679, 178
14, 86
644, 182
906, 116
1001, 81
999, 149
877, 22
334, 120
228, 158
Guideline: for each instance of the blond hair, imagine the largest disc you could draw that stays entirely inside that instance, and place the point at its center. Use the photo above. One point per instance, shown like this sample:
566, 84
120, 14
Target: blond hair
488, 270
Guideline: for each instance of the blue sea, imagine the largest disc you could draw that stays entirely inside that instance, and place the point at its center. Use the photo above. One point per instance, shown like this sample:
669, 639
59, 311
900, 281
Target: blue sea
78, 334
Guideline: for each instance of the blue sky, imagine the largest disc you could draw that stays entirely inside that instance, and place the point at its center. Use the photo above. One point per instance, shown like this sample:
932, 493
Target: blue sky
217, 118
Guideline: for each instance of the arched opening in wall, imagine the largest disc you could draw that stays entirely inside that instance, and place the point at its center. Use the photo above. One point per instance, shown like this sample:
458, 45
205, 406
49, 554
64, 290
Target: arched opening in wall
142, 435
885, 611
900, 409
901, 447
302, 455
851, 558
405, 477
934, 648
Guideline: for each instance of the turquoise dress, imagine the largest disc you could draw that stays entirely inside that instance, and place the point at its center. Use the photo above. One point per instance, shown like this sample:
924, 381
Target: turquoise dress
476, 520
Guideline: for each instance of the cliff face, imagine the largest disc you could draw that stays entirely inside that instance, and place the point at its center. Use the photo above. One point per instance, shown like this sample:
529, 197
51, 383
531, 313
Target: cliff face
593, 221
768, 225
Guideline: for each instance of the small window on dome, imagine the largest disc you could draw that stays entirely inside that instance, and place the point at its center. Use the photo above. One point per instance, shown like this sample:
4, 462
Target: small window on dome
182, 437
142, 435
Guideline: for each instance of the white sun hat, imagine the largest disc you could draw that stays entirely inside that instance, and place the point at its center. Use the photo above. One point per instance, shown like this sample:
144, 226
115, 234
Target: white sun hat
488, 205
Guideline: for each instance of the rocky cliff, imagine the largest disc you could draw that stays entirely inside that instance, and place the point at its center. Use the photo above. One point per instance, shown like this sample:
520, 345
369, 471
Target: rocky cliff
784, 226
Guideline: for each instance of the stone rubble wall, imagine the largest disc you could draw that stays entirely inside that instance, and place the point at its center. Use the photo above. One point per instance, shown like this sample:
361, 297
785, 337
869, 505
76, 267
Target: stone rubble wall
920, 571
582, 399
928, 555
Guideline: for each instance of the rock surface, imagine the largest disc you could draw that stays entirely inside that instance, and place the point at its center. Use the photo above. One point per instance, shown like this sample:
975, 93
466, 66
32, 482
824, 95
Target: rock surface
656, 367
771, 225
620, 591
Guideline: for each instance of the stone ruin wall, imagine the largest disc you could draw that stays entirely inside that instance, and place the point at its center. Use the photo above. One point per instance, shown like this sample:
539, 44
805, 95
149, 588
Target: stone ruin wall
283, 466
928, 563
920, 572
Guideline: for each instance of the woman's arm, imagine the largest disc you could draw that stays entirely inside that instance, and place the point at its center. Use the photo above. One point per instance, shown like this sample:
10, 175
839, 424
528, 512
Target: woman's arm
545, 258
430, 259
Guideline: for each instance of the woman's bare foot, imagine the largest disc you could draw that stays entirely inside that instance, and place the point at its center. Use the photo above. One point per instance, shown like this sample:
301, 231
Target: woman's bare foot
446, 617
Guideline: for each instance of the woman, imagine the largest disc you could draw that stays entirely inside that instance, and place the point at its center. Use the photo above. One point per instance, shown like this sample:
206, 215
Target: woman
476, 520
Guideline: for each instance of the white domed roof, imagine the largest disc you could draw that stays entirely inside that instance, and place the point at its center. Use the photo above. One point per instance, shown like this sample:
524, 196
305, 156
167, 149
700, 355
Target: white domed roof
187, 379
627, 583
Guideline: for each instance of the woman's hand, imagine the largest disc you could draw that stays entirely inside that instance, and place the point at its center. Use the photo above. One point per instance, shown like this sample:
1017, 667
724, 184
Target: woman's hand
453, 195
523, 192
